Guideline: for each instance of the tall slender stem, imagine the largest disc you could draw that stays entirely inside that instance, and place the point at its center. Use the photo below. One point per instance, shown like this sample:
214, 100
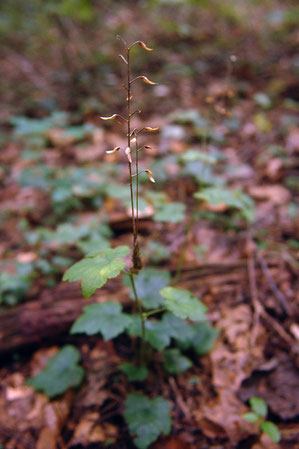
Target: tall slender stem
136, 256
129, 146
142, 318
137, 181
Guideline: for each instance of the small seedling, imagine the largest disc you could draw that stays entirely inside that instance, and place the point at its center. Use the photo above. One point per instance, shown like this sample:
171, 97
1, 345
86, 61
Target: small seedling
259, 411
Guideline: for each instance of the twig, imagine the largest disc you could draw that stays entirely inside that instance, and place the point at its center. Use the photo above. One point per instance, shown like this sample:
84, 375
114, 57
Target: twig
277, 293
255, 301
179, 398
260, 311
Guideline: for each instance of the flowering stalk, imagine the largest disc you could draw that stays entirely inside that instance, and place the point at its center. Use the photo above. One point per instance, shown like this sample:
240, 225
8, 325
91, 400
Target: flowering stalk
132, 138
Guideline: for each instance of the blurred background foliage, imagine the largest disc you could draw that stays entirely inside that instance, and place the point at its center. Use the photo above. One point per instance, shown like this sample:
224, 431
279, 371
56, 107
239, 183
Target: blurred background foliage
60, 70
61, 53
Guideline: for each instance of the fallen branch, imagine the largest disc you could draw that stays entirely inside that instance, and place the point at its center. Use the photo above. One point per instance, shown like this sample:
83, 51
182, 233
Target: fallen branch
54, 312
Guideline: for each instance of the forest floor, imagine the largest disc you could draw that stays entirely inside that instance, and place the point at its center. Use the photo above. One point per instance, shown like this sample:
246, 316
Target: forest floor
61, 195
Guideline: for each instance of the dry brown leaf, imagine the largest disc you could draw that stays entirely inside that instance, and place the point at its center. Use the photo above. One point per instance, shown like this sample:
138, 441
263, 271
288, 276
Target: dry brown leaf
234, 362
38, 407
273, 168
84, 428
265, 442
56, 412
18, 393
60, 137
222, 417
173, 442
90, 431
46, 439
102, 433
275, 193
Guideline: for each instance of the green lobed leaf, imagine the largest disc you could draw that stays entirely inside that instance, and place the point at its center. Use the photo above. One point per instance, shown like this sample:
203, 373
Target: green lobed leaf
272, 430
148, 283
134, 372
192, 155
96, 268
178, 328
156, 332
66, 233
87, 246
170, 212
147, 418
251, 417
62, 372
106, 318
183, 304
234, 199
204, 337
259, 406
175, 362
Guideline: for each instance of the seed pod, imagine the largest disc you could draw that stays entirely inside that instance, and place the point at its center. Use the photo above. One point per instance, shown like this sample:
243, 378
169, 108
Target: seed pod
149, 128
113, 151
133, 140
128, 153
129, 97
123, 58
146, 80
149, 174
148, 147
111, 117
143, 45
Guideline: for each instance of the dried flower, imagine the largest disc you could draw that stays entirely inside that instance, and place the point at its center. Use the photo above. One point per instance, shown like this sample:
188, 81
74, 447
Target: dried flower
113, 151
143, 45
128, 153
149, 174
146, 80
123, 58
149, 128
111, 117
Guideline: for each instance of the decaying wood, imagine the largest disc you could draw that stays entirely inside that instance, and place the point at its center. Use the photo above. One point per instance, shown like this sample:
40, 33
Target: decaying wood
54, 312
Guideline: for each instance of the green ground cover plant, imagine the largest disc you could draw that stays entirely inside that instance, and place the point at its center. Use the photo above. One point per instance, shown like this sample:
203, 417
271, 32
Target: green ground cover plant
259, 411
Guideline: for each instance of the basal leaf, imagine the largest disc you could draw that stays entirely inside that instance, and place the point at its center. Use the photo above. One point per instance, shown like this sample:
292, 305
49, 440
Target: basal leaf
272, 430
156, 332
259, 406
148, 283
106, 318
235, 199
134, 372
178, 328
170, 212
147, 419
175, 362
67, 233
183, 304
62, 372
204, 337
96, 268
